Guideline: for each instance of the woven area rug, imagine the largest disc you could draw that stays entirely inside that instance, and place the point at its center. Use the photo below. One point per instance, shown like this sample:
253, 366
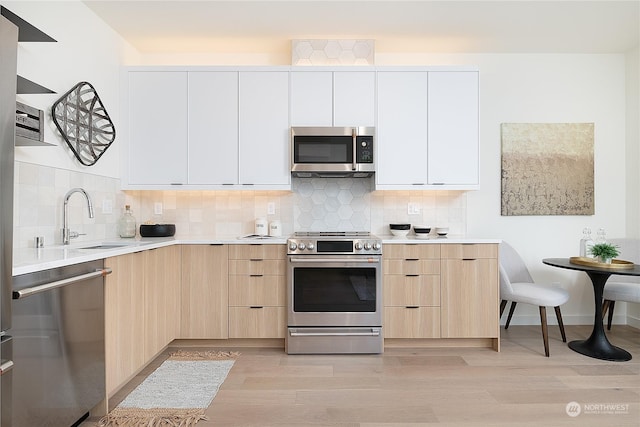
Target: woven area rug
175, 394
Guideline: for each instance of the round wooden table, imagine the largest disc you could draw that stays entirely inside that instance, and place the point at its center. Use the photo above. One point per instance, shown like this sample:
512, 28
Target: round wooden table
597, 345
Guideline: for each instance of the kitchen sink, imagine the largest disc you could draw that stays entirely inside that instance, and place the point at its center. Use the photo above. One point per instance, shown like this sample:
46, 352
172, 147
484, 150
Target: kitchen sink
105, 246
110, 245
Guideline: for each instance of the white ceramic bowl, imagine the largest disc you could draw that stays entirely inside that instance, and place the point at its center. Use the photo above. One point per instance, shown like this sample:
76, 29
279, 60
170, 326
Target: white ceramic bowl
399, 233
442, 231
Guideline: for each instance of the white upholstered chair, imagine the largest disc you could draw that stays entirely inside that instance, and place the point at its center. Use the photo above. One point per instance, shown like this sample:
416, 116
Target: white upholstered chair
516, 285
622, 288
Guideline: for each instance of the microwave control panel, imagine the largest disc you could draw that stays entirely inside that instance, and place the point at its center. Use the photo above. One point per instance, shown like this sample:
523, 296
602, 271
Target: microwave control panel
364, 149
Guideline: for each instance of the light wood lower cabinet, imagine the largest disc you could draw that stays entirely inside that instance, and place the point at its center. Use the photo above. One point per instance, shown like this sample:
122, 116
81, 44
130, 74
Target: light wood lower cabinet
162, 298
124, 318
411, 291
470, 291
257, 288
205, 292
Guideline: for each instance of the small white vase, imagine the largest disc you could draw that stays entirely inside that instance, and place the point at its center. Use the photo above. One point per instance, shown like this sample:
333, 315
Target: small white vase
605, 260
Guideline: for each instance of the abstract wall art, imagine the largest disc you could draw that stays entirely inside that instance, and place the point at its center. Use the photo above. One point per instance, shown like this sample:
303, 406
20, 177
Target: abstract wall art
547, 169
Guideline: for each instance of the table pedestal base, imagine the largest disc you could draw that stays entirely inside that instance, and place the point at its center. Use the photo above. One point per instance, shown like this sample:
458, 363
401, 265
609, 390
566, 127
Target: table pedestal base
600, 349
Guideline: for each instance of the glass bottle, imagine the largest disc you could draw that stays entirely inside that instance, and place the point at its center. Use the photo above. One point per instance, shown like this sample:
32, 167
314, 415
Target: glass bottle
586, 242
127, 223
601, 236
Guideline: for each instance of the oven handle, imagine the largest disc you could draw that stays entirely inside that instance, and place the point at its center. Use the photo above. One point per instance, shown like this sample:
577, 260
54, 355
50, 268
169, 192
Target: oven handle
335, 334
340, 260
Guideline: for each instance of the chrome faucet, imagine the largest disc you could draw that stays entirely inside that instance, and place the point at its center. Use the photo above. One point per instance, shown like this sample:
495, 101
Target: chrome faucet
66, 233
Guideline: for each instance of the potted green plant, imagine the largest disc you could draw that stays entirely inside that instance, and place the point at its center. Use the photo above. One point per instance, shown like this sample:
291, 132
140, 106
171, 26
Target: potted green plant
605, 252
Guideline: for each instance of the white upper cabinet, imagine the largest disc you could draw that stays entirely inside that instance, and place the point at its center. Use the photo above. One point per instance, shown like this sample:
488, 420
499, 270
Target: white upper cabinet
354, 98
332, 98
264, 129
311, 98
427, 130
213, 128
157, 119
402, 153
453, 128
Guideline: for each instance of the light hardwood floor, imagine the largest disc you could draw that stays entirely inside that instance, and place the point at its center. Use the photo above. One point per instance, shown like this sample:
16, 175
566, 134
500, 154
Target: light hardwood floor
445, 386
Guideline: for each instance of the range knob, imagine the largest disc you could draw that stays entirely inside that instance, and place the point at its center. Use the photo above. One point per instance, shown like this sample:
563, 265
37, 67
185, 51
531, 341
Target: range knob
367, 246
377, 246
358, 246
301, 246
311, 246
293, 246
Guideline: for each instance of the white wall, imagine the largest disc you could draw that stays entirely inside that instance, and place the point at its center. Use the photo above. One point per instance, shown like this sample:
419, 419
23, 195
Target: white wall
86, 50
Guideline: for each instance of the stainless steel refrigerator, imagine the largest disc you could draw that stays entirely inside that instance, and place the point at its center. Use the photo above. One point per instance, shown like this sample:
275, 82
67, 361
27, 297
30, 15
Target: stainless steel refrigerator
8, 72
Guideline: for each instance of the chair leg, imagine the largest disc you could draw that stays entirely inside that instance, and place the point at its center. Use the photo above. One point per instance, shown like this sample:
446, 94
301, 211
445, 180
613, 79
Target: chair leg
545, 335
612, 305
503, 304
511, 310
560, 324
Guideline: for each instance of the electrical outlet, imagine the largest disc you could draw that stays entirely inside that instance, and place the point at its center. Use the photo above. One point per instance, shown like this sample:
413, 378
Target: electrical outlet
413, 209
107, 206
271, 208
157, 208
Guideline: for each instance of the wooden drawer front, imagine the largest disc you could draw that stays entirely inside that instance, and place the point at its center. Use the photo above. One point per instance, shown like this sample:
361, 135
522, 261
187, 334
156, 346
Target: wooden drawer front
429, 251
264, 322
470, 251
421, 290
420, 322
257, 252
257, 290
411, 266
266, 267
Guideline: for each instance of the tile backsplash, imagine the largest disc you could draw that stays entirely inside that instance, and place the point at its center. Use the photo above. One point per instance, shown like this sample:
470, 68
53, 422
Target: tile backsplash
314, 204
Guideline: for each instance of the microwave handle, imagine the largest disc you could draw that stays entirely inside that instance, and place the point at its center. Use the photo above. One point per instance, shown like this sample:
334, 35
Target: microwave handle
354, 136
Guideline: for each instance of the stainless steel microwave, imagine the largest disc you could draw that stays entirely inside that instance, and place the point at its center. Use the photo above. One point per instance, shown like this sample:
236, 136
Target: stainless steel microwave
332, 151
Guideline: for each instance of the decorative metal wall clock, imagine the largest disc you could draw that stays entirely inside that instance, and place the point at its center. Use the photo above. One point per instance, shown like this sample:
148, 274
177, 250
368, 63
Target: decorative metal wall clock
84, 123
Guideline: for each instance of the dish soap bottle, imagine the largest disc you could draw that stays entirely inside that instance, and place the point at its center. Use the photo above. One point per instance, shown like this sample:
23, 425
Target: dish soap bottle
127, 224
586, 243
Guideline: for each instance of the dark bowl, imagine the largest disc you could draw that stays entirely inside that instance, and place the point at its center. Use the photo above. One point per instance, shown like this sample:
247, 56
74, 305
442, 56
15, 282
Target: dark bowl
400, 226
422, 230
157, 230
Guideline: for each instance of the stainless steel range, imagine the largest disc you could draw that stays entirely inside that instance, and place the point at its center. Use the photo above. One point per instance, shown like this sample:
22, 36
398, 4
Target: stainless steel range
334, 294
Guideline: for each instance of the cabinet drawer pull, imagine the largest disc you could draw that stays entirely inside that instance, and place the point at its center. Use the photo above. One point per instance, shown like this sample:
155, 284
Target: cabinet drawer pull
468, 259
256, 275
412, 306
216, 244
412, 275
412, 259
176, 183
255, 259
255, 306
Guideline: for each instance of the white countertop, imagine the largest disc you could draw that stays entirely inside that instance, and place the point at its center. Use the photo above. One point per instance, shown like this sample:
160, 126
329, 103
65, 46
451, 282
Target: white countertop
434, 239
31, 259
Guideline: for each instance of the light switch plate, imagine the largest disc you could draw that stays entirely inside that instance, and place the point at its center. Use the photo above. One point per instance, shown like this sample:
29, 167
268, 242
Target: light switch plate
271, 208
157, 208
107, 206
413, 209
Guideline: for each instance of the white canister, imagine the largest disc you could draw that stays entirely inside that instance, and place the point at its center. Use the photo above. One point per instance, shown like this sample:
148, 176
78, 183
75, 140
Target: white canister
275, 228
261, 227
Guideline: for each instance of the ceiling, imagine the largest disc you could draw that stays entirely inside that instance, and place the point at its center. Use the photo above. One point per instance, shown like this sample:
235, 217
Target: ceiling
266, 26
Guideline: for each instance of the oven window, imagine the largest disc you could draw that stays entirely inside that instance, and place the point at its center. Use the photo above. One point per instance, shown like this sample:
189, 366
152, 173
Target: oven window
334, 289
323, 149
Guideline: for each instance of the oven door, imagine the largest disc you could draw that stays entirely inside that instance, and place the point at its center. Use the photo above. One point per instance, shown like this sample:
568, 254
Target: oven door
334, 291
